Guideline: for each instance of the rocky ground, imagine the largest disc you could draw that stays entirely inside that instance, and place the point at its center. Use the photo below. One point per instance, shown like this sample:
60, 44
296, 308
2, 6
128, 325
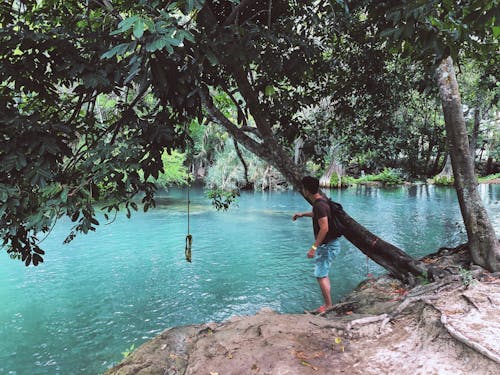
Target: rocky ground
451, 326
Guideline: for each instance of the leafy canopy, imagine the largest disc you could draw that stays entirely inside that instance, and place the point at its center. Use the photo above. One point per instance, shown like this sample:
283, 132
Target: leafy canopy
92, 94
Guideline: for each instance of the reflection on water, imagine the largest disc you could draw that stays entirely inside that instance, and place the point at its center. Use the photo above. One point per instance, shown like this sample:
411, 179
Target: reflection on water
96, 297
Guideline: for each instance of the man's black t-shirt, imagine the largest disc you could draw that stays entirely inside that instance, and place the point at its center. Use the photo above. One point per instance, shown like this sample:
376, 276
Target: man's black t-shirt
321, 208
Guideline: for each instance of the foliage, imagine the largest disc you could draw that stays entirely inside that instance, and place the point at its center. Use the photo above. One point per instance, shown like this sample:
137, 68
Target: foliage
433, 30
489, 177
92, 93
227, 171
61, 151
443, 180
344, 181
467, 277
222, 199
388, 177
175, 171
128, 351
423, 279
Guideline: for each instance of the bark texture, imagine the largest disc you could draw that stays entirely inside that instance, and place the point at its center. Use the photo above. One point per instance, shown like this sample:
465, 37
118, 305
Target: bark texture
485, 248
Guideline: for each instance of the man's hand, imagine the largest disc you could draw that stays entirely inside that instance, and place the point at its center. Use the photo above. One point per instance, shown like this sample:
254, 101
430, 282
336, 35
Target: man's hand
310, 253
296, 216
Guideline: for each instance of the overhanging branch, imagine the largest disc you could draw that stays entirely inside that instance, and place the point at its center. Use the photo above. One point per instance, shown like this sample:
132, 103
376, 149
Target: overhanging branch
217, 116
236, 11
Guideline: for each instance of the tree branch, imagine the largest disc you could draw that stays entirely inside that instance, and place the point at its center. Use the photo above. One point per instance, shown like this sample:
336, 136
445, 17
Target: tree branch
250, 129
119, 123
251, 98
240, 110
229, 20
217, 116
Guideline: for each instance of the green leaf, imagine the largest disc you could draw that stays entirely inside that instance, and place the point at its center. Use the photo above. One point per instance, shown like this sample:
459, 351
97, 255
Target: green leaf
64, 196
184, 34
172, 6
149, 24
118, 50
496, 31
269, 90
169, 48
133, 72
155, 45
387, 33
212, 58
3, 208
125, 25
139, 28
174, 40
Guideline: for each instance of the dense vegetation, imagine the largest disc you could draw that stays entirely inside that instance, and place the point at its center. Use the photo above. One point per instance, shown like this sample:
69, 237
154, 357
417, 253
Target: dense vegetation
95, 95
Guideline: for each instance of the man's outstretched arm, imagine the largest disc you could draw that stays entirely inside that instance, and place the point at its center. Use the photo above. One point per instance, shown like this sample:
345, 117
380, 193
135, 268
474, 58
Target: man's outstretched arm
302, 214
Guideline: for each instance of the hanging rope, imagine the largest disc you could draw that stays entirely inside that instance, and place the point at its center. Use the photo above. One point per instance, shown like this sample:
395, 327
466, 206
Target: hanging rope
189, 238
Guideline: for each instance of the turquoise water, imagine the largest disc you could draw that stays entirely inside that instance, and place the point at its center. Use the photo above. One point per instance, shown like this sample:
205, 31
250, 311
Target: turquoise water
92, 299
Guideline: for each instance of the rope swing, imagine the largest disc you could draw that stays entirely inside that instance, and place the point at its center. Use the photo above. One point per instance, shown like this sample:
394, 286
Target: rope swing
189, 238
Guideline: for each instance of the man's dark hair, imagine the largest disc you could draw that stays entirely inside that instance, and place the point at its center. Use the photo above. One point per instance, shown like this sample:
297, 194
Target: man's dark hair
311, 184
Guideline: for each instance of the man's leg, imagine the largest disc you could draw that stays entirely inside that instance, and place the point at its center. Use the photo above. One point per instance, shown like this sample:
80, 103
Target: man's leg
324, 284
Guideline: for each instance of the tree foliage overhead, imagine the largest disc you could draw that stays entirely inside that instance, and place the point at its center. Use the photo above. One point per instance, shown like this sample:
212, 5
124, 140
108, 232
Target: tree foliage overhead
93, 93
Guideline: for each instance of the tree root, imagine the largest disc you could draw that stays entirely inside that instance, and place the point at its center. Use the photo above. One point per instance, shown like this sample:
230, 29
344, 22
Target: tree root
457, 335
464, 340
367, 320
407, 302
422, 293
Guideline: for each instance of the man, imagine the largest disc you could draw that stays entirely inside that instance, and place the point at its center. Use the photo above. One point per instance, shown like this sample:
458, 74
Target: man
326, 246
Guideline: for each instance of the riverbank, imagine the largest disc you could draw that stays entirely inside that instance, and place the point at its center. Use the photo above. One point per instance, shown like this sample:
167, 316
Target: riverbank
450, 326
394, 177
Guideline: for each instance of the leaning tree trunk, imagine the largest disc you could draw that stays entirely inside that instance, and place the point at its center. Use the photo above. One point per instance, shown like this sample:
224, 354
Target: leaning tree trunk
447, 170
395, 260
483, 244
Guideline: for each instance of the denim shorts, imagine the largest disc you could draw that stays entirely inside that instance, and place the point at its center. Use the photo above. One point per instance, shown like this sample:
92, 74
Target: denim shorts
324, 257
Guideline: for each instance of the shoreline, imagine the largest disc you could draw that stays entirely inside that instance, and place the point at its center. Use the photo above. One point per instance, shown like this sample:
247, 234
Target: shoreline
381, 327
493, 181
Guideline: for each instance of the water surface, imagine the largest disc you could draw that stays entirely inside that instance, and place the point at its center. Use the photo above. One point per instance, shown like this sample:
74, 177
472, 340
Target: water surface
92, 299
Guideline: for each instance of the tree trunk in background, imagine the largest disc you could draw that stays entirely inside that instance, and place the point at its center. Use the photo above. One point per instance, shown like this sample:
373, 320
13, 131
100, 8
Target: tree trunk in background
297, 150
484, 246
248, 185
435, 166
334, 168
447, 170
325, 179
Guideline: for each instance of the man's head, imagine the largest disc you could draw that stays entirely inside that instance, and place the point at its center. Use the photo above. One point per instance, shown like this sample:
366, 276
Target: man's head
311, 184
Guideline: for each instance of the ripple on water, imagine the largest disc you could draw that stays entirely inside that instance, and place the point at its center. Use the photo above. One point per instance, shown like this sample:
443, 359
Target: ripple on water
91, 300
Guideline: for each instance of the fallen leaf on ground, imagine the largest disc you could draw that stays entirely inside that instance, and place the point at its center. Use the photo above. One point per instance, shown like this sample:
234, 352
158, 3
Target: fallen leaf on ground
305, 363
